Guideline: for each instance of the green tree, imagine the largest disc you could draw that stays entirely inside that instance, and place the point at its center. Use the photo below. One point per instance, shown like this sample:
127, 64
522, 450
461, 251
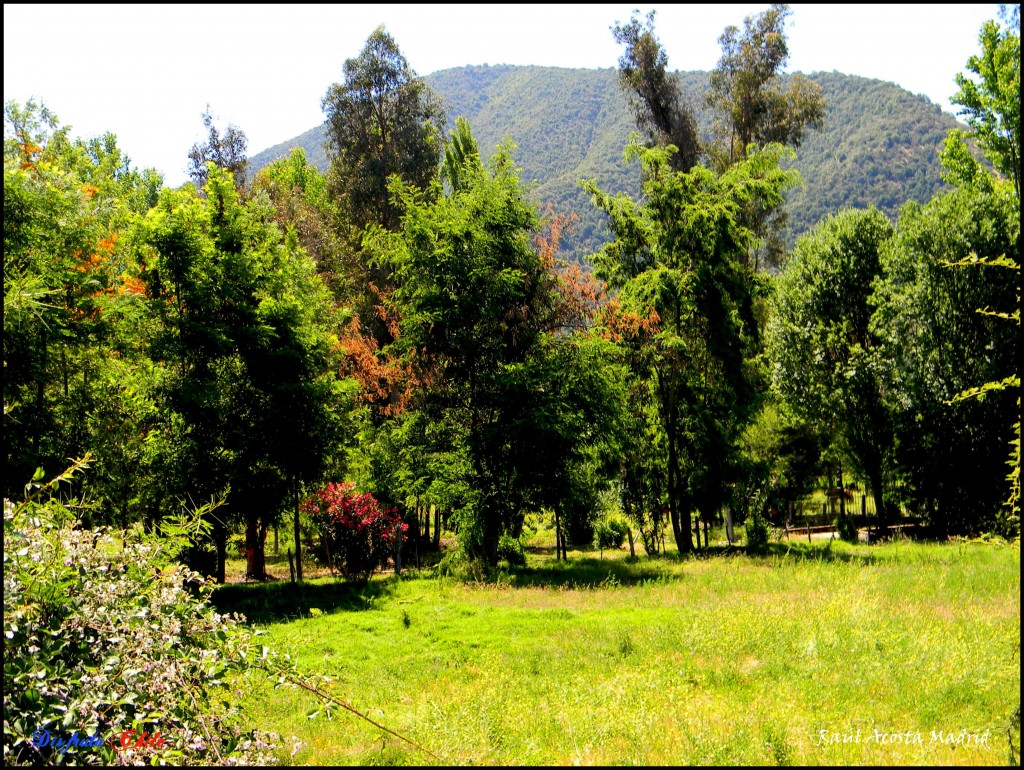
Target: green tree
68, 299
744, 86
935, 345
381, 120
821, 344
991, 104
676, 260
252, 385
478, 305
655, 97
744, 89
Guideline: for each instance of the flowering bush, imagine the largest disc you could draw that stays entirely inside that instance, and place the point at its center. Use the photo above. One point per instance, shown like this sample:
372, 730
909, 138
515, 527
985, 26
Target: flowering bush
358, 533
107, 636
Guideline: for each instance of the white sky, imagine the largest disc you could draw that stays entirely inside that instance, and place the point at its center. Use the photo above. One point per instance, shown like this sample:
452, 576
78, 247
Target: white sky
145, 72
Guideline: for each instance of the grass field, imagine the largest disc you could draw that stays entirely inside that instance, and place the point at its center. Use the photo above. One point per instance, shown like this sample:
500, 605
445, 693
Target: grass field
823, 654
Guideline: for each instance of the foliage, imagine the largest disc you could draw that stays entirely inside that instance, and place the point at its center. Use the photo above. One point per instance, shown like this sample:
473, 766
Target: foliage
68, 298
244, 324
778, 448
609, 533
677, 259
510, 549
991, 104
104, 633
511, 401
753, 502
358, 532
846, 528
745, 89
227, 152
932, 336
822, 348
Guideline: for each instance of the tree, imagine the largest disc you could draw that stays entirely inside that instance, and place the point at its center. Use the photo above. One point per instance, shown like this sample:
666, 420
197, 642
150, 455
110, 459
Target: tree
744, 86
821, 344
935, 345
227, 152
676, 260
478, 306
991, 105
752, 107
381, 120
654, 95
70, 327
302, 203
252, 387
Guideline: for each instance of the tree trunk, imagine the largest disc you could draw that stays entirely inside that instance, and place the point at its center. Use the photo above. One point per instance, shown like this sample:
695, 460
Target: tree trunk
558, 538
875, 480
298, 538
437, 528
426, 523
398, 548
255, 558
842, 495
220, 539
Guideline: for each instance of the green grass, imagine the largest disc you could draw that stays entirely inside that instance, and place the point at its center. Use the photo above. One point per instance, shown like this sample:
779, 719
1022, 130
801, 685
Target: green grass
728, 659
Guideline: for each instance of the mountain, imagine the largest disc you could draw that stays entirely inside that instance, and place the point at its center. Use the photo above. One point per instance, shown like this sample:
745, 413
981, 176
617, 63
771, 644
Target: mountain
880, 144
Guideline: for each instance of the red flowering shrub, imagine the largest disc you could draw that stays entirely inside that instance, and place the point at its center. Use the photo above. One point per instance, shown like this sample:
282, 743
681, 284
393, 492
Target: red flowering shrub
358, 532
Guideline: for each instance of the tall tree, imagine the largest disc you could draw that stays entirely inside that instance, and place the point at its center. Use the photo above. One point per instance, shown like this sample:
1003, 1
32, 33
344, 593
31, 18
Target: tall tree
745, 88
252, 389
661, 110
676, 260
822, 348
478, 305
227, 152
381, 120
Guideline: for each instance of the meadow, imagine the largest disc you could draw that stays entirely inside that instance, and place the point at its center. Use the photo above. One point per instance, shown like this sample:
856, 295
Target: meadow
900, 653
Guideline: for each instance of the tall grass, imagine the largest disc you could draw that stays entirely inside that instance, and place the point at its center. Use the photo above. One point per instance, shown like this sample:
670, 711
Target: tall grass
810, 654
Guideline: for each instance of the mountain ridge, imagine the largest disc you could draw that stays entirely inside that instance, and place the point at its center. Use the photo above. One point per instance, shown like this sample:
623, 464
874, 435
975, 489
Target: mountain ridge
880, 144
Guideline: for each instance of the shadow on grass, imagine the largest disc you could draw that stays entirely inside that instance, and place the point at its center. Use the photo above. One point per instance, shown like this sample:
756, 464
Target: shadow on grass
284, 601
823, 552
593, 572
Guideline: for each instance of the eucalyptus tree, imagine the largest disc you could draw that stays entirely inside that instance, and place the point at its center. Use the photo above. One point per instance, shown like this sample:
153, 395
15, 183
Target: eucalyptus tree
381, 120
661, 109
227, 151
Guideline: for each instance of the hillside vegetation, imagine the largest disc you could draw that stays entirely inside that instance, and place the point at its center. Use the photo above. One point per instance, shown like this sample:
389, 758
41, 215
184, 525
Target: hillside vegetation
879, 146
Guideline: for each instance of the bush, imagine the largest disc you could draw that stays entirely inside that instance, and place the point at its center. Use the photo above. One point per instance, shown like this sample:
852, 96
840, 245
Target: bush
105, 634
511, 550
757, 533
846, 528
358, 532
609, 533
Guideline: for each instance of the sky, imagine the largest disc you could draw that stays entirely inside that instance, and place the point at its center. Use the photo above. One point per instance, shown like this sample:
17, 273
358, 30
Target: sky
146, 72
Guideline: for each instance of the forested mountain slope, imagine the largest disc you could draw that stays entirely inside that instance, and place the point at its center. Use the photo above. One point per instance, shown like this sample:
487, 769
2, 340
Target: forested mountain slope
879, 146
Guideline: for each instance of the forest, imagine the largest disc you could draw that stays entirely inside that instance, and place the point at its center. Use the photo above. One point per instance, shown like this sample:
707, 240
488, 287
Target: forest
395, 424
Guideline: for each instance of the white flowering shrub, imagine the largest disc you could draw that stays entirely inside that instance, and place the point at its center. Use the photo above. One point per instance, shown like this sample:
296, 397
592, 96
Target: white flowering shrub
105, 635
